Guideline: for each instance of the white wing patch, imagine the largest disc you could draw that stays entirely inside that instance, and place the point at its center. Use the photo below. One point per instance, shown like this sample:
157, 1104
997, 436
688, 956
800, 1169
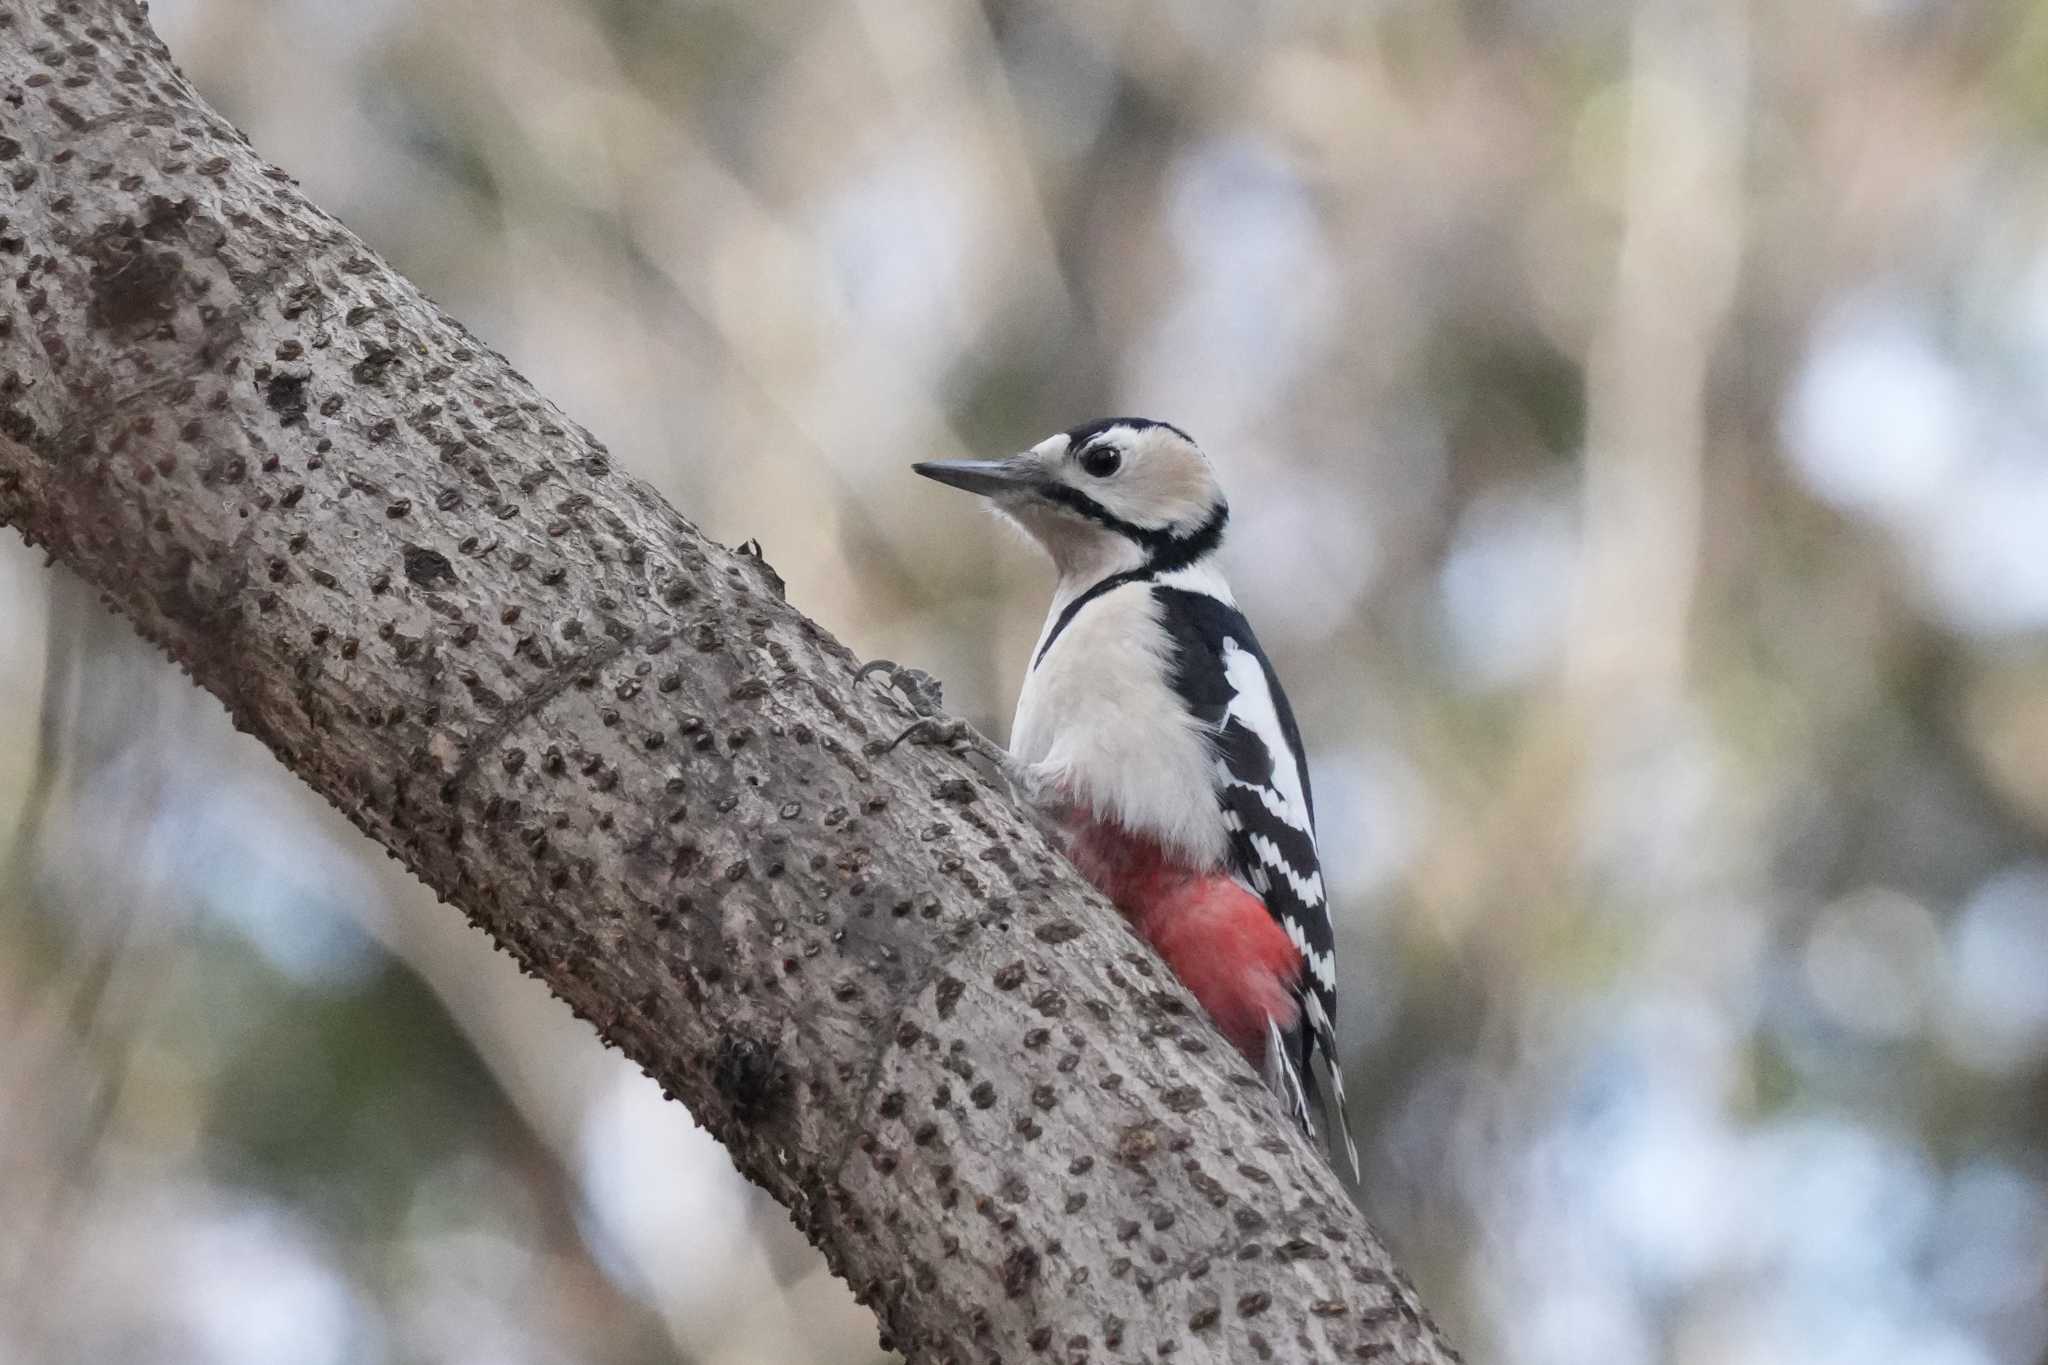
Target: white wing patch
1253, 708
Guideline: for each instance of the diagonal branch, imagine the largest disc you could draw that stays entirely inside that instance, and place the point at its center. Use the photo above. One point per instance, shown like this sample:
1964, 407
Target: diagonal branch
616, 748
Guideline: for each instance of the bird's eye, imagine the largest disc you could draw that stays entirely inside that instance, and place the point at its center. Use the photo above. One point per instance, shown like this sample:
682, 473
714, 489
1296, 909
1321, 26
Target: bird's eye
1099, 462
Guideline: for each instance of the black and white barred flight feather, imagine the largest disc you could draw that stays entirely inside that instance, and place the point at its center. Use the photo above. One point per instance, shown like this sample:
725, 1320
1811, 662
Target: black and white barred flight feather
1262, 785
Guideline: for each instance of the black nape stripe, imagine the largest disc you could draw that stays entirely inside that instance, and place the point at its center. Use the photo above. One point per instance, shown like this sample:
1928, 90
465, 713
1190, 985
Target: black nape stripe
1166, 553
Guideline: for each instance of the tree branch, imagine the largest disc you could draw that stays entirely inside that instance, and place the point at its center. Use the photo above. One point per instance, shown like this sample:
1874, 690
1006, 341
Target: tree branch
625, 757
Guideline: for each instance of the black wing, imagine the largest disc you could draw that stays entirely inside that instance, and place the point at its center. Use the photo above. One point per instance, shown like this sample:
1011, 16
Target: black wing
1263, 787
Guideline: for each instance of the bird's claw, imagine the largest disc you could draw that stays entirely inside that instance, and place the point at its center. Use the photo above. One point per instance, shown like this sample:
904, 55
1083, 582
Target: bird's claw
939, 731
920, 693
919, 690
949, 733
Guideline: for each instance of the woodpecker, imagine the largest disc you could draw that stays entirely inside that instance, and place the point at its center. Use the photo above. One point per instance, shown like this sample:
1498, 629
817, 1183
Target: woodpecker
1153, 727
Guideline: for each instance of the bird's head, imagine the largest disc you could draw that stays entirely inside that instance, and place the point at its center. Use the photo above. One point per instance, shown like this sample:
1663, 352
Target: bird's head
1117, 494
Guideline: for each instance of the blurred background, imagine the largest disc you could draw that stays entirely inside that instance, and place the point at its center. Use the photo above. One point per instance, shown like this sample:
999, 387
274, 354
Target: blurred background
1638, 425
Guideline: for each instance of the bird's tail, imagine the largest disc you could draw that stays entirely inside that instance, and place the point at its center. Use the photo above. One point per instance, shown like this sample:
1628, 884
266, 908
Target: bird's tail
1283, 1075
1324, 1042
1290, 1074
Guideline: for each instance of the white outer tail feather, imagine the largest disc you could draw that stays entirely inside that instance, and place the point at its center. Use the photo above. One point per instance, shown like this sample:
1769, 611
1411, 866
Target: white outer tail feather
1284, 1079
1334, 1112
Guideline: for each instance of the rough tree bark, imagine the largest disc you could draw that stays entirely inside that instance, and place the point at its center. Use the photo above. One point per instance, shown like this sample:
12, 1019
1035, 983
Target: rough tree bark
617, 748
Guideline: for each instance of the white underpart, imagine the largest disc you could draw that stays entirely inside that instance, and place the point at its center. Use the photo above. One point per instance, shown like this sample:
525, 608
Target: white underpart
1098, 720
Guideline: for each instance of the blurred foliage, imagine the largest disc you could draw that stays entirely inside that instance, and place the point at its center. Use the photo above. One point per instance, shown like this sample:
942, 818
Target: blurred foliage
1635, 418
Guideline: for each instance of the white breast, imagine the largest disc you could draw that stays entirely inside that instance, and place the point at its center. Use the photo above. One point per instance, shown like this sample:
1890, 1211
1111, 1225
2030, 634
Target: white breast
1098, 721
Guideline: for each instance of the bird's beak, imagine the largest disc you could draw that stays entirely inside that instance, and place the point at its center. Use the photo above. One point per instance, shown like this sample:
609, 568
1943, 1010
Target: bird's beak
991, 478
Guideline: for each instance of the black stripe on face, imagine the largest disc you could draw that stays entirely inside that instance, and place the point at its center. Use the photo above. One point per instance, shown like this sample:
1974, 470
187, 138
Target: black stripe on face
1164, 550
1165, 553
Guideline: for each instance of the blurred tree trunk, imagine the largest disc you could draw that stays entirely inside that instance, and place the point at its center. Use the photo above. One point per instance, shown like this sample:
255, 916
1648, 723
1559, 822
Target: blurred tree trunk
623, 755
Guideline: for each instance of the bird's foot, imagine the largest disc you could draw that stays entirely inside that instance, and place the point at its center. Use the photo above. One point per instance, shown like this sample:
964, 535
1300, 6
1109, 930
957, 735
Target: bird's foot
913, 687
920, 693
943, 732
956, 736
